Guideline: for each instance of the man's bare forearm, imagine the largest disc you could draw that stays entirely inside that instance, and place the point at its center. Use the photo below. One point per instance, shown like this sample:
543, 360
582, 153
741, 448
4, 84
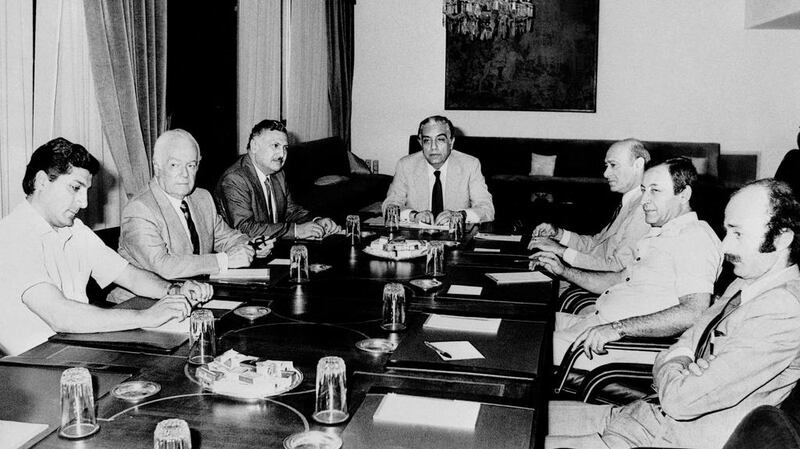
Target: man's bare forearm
594, 281
668, 322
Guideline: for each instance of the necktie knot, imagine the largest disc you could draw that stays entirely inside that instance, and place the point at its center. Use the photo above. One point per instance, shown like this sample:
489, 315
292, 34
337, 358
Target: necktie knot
437, 173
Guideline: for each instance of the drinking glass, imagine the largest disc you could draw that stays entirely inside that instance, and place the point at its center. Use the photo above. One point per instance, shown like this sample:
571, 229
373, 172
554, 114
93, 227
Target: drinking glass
298, 264
434, 264
78, 418
172, 434
202, 337
354, 229
391, 217
394, 307
456, 226
331, 404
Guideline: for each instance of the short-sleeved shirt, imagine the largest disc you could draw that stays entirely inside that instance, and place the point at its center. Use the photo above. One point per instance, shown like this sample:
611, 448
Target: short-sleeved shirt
33, 252
680, 258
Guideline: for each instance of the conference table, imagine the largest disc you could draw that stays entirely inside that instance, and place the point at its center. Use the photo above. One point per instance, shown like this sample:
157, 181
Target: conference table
327, 316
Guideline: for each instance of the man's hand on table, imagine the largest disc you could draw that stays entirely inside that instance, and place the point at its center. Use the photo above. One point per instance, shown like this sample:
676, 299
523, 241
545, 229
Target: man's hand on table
309, 230
263, 246
329, 226
197, 291
547, 230
424, 216
240, 256
595, 338
167, 308
547, 260
547, 244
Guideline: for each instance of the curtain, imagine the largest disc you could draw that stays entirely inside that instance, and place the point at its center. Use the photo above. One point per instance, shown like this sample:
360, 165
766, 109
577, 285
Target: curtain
308, 109
16, 98
259, 64
65, 104
127, 43
339, 21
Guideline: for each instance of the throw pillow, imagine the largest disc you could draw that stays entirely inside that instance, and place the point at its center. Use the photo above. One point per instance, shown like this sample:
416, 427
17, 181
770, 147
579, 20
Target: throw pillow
357, 165
542, 165
330, 180
700, 164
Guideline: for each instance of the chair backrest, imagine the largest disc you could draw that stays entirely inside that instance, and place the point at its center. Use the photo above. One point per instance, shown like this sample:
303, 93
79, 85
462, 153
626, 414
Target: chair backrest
789, 171
765, 427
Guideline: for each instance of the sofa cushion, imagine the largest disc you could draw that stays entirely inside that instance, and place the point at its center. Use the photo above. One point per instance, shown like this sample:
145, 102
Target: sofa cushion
541, 164
329, 180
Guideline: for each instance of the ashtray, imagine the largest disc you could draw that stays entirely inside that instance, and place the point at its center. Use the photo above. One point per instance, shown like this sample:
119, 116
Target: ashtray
425, 284
312, 439
252, 312
135, 391
376, 345
318, 267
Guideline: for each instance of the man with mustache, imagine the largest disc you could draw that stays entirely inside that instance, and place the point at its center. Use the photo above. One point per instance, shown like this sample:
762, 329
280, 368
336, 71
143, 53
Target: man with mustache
432, 184
665, 288
743, 352
252, 193
48, 255
172, 228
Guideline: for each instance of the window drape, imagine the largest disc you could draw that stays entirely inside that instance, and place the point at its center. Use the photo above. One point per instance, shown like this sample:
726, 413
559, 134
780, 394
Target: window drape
340, 26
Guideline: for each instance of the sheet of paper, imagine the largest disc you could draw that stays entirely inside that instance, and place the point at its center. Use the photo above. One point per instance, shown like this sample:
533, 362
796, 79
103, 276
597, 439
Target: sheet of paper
457, 350
14, 434
221, 304
518, 277
449, 413
462, 323
498, 237
378, 221
242, 273
279, 262
456, 289
487, 250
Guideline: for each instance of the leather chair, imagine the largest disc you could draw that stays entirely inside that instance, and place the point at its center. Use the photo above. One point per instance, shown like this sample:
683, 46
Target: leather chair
789, 169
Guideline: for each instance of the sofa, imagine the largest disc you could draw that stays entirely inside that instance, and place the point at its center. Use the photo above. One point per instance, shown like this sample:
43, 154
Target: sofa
569, 188
330, 181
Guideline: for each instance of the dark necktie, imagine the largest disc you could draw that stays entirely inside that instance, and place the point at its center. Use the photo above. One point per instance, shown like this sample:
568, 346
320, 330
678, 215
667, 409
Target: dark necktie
704, 345
615, 214
192, 230
270, 196
437, 202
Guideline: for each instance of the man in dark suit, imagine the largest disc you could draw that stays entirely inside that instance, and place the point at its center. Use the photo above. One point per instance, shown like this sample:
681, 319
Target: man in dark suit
252, 193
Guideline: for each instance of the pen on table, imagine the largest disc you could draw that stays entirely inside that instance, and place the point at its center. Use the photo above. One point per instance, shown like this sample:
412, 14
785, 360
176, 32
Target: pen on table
444, 354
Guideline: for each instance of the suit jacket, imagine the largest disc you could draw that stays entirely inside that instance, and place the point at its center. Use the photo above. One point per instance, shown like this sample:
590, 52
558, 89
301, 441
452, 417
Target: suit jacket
240, 199
614, 247
152, 235
465, 187
757, 349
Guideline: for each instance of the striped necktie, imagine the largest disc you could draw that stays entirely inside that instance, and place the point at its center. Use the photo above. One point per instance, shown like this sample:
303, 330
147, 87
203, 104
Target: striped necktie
192, 230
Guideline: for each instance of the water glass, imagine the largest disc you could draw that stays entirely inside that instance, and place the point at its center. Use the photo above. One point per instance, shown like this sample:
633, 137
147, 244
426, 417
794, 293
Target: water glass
353, 224
78, 418
391, 217
172, 434
434, 264
375, 168
331, 404
202, 337
456, 226
394, 307
298, 264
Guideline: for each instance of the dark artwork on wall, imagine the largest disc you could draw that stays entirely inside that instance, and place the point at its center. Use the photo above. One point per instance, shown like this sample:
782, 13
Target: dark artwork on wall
552, 67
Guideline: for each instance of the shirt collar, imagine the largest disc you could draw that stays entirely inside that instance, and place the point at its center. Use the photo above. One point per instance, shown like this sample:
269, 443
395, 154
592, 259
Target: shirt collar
769, 281
261, 176
176, 203
674, 225
442, 169
631, 195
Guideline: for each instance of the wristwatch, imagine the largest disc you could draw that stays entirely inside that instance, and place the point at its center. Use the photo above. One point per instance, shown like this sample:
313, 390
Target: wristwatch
617, 326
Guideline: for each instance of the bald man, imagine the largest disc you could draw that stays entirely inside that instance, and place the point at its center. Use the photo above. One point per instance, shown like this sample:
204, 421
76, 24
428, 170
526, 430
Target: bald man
172, 228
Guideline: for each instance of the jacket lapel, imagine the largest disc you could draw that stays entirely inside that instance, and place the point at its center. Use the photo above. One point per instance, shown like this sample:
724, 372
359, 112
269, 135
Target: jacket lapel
260, 212
177, 237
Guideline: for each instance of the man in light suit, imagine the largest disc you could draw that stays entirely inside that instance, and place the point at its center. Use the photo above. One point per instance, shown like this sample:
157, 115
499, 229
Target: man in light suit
741, 353
611, 249
173, 228
431, 184
252, 195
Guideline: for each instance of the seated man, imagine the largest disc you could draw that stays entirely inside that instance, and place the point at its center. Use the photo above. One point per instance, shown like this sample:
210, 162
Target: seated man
49, 254
252, 193
664, 289
741, 353
172, 228
431, 184
612, 248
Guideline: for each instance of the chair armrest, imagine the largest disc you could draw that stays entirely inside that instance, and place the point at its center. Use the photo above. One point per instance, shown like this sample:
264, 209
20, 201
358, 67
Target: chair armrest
574, 299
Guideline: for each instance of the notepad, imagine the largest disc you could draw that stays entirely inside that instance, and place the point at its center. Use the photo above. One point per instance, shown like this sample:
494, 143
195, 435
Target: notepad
456, 289
520, 277
487, 250
458, 350
449, 413
461, 323
14, 434
498, 237
279, 262
221, 304
242, 273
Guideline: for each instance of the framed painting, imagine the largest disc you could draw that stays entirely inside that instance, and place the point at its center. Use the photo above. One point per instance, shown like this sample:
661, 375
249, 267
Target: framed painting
550, 67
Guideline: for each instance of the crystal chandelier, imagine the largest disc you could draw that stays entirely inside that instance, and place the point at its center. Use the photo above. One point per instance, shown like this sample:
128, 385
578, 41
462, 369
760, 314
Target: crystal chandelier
487, 19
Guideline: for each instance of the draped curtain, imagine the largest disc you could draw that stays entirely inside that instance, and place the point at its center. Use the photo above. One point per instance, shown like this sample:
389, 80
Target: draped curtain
259, 64
127, 43
16, 98
339, 21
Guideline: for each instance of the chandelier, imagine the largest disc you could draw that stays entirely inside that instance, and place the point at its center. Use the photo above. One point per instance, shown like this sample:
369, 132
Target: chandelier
487, 19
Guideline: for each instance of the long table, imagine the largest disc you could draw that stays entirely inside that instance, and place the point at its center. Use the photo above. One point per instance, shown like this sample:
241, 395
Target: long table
323, 317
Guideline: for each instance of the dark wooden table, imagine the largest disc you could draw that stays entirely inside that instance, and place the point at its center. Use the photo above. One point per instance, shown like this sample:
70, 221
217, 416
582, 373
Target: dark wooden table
323, 317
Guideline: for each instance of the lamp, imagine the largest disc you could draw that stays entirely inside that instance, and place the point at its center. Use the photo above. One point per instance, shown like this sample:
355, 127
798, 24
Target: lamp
487, 19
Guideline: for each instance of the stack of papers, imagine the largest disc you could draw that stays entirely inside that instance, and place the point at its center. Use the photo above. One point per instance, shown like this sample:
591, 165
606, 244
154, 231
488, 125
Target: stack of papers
521, 277
242, 273
456, 350
15, 434
456, 289
378, 221
461, 323
498, 237
449, 413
